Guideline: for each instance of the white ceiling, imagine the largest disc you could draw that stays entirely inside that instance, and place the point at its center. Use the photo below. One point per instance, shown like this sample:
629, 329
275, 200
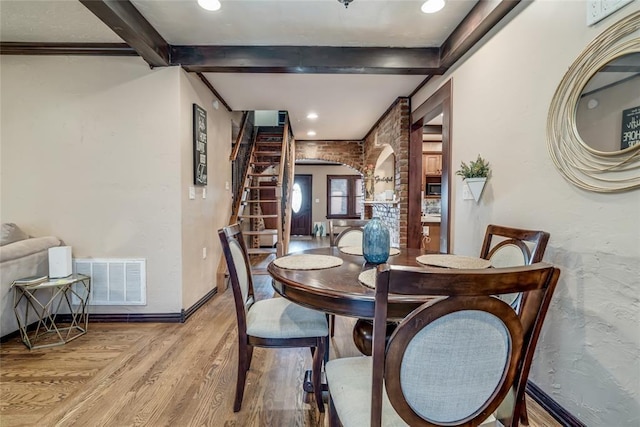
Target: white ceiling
348, 105
397, 23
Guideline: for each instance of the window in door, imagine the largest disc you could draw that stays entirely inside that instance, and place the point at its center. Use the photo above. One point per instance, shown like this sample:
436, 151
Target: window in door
344, 196
296, 198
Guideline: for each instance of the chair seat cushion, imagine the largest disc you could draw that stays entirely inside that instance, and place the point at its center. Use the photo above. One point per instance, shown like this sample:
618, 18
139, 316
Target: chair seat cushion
349, 382
280, 318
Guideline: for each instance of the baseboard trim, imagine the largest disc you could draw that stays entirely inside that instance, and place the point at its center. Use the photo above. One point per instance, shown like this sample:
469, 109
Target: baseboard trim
185, 314
130, 317
552, 407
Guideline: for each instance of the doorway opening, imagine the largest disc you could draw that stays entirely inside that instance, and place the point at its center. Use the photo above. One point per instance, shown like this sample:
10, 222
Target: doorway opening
428, 121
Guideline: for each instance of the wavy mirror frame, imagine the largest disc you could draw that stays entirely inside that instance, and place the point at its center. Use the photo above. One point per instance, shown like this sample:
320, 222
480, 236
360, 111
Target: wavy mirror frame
589, 169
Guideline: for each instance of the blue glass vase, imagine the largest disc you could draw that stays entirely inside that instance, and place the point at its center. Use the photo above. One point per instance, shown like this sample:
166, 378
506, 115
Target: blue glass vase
375, 241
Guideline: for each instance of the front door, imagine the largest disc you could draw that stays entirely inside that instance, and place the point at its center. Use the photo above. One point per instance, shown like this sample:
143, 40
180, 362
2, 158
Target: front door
301, 205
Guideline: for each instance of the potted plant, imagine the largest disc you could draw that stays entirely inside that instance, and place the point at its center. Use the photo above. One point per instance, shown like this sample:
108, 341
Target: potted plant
475, 175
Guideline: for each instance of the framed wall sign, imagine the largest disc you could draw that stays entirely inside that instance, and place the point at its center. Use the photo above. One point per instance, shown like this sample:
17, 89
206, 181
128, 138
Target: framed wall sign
199, 145
630, 135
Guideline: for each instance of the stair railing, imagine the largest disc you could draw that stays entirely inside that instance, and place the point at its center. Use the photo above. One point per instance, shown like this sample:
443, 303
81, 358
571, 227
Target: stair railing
240, 159
241, 153
284, 187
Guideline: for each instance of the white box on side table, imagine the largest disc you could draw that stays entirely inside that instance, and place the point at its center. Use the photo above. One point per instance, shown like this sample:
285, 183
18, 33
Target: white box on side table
60, 261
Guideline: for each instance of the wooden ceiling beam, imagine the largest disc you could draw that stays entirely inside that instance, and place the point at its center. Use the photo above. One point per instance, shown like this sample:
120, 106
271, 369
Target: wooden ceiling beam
307, 59
36, 48
482, 18
128, 23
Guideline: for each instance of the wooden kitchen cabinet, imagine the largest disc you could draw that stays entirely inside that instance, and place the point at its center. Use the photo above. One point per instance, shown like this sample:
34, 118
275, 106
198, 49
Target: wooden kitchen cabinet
432, 164
431, 242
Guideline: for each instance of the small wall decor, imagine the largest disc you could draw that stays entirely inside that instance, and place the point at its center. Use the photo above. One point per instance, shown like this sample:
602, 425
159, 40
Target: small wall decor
584, 166
630, 135
199, 145
475, 175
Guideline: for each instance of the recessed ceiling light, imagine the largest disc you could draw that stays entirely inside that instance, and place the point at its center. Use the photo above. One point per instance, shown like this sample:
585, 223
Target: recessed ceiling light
311, 133
432, 6
209, 4
312, 116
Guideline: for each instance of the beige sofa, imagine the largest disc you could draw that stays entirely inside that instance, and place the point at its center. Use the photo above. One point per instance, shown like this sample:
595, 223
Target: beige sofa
20, 256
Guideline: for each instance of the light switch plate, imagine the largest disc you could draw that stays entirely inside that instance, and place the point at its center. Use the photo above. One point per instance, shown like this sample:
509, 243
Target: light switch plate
204, 192
192, 193
597, 10
226, 185
466, 193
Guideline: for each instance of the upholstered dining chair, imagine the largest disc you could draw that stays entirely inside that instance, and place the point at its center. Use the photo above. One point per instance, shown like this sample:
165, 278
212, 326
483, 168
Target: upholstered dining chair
270, 323
454, 360
511, 247
350, 234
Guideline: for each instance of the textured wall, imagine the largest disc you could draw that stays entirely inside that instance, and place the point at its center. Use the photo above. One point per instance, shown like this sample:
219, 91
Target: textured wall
588, 358
201, 218
97, 151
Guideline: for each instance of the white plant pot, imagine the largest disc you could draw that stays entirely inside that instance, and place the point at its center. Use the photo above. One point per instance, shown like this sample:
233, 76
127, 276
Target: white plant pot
476, 185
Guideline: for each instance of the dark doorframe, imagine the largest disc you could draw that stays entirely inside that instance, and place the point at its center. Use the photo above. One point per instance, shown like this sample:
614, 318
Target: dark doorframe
439, 102
301, 221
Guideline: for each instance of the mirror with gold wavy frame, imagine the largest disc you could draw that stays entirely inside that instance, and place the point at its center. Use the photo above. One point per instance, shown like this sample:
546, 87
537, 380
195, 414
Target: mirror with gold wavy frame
580, 163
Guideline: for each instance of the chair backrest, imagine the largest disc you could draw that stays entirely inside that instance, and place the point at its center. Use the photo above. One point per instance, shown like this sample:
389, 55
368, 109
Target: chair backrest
235, 254
350, 232
511, 247
454, 360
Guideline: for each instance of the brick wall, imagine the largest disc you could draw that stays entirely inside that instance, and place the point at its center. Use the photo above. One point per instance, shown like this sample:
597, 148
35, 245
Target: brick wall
393, 130
345, 152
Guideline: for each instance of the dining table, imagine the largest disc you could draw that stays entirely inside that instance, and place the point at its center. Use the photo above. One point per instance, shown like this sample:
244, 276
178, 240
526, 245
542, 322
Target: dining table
337, 290
337, 285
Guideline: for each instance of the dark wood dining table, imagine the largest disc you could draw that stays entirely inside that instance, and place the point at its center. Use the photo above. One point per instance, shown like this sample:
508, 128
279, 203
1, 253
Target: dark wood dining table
337, 290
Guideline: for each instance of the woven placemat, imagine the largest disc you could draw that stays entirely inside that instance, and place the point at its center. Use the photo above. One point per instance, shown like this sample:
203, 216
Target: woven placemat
357, 250
307, 262
368, 278
453, 261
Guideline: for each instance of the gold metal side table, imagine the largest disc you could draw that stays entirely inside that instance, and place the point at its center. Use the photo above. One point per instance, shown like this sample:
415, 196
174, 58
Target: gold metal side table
57, 307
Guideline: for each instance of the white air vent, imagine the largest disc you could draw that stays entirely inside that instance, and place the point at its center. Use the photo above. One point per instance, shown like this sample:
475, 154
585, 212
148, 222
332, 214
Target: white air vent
114, 281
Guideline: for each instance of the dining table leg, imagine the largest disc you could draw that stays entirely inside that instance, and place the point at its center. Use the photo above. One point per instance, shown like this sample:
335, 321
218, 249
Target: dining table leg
363, 334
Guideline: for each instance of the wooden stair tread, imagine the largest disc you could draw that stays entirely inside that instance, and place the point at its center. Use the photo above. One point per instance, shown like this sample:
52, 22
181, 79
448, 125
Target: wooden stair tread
260, 187
265, 232
259, 201
268, 153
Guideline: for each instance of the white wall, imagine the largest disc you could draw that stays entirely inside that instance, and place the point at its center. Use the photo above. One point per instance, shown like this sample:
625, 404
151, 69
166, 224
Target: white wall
201, 218
319, 210
94, 151
588, 357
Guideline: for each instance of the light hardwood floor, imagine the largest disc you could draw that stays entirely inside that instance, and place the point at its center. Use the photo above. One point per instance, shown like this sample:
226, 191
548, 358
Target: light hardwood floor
166, 375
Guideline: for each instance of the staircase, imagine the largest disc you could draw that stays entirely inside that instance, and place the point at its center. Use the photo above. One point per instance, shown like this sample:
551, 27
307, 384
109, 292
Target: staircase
259, 206
262, 175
